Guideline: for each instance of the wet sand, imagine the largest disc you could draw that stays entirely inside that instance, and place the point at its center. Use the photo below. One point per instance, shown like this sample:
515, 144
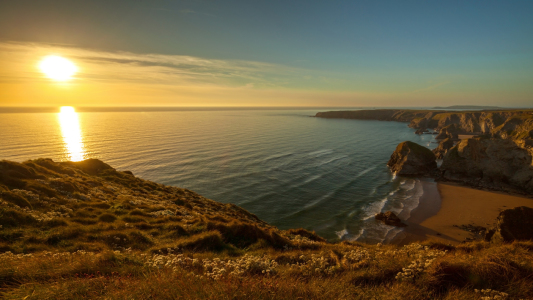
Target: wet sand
459, 205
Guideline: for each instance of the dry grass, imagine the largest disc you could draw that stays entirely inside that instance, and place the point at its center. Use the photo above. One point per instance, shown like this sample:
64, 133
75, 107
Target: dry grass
84, 230
334, 272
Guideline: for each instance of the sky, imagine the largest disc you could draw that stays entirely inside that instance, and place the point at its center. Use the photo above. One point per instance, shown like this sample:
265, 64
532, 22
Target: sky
269, 53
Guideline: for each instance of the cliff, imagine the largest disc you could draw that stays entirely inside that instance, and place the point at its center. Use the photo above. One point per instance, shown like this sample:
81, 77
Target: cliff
501, 123
498, 164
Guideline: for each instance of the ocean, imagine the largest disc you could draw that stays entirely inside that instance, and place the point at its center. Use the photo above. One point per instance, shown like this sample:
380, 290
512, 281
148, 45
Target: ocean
290, 169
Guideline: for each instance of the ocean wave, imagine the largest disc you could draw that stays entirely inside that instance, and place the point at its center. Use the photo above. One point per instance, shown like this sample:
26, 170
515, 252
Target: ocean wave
341, 233
317, 201
321, 152
412, 201
409, 184
278, 156
402, 201
375, 208
331, 160
312, 178
364, 172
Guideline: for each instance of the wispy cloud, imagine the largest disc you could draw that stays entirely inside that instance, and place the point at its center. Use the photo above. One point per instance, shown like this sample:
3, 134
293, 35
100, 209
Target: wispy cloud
151, 68
125, 78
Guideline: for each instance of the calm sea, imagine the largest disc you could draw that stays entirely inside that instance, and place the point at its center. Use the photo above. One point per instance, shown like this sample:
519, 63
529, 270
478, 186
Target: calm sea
290, 169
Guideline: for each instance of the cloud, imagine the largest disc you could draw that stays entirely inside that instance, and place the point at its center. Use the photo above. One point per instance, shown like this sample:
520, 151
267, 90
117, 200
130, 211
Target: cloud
132, 79
124, 78
148, 68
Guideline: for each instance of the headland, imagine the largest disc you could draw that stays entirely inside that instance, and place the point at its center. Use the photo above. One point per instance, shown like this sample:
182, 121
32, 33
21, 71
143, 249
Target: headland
486, 167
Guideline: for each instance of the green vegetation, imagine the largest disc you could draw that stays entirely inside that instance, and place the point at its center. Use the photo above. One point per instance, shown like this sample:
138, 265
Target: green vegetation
86, 231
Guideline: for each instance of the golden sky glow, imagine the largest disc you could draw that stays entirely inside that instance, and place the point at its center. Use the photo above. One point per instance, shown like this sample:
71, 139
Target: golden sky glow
57, 68
72, 137
137, 79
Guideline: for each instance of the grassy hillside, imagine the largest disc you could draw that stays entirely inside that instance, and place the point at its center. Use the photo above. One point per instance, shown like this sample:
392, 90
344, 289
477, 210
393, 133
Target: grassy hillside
86, 231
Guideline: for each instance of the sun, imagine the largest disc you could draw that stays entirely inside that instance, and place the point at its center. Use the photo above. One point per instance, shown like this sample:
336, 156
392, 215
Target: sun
58, 68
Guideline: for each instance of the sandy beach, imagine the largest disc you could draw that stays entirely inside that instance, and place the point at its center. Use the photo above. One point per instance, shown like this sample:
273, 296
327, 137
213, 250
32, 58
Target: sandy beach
445, 205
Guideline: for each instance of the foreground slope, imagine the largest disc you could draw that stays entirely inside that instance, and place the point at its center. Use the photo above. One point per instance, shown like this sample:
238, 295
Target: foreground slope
87, 231
89, 205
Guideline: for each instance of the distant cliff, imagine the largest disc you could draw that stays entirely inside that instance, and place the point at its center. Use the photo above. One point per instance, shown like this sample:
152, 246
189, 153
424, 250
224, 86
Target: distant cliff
500, 124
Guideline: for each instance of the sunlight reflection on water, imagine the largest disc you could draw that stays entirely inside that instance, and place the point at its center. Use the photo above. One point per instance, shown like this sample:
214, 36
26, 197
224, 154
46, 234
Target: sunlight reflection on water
70, 129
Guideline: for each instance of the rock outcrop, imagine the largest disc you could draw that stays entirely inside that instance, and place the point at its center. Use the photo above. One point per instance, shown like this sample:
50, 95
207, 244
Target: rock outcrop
389, 218
448, 132
500, 158
421, 131
443, 147
496, 123
516, 127
498, 164
411, 159
512, 224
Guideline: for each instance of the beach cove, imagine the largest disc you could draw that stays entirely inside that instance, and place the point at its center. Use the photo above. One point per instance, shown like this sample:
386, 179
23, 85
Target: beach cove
447, 206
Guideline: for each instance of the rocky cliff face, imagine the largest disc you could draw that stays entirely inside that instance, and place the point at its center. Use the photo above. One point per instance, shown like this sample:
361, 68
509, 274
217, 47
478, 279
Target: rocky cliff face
500, 164
500, 159
502, 124
512, 224
411, 159
516, 127
443, 148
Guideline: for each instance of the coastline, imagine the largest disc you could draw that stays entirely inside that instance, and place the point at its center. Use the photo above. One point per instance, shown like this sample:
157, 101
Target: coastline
429, 205
457, 205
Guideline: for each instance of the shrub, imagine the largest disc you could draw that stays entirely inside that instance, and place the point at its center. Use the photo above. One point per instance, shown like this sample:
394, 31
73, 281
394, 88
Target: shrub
242, 234
101, 205
182, 202
54, 223
84, 221
207, 241
13, 218
51, 165
15, 199
139, 240
143, 226
109, 218
41, 188
446, 274
129, 219
10, 236
308, 234
65, 234
12, 182
438, 246
138, 212
175, 230
18, 170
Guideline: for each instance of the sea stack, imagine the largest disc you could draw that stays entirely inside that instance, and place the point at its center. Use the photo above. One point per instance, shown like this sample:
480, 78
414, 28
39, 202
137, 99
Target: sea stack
389, 218
411, 159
